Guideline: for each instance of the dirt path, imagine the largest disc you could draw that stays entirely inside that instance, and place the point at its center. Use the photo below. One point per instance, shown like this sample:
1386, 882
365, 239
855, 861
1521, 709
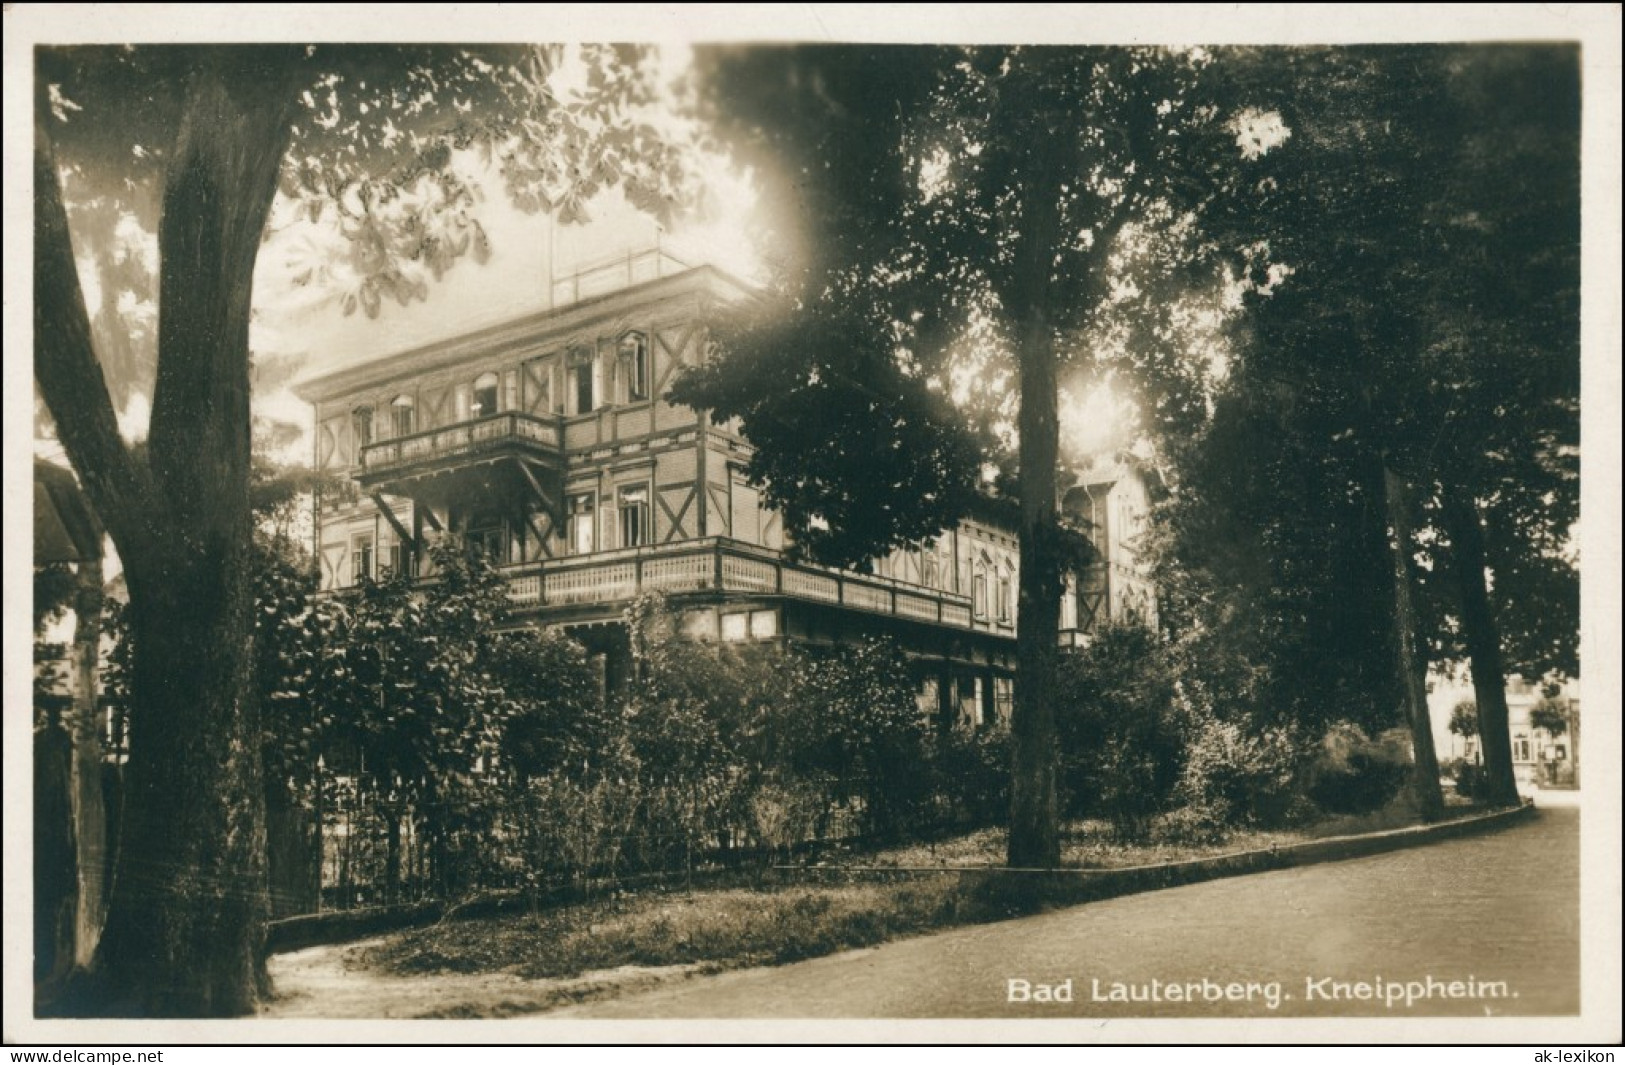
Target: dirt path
330, 982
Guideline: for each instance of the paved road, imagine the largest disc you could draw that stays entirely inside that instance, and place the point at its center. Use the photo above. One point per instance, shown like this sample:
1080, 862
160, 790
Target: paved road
1491, 920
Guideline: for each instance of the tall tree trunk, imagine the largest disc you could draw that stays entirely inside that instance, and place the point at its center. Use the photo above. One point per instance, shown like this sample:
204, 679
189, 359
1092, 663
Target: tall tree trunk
185, 926
1412, 661
53, 854
1483, 638
186, 912
89, 801
1034, 840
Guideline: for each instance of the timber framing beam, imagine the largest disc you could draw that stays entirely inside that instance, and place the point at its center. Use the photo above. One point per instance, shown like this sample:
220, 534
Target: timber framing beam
548, 502
394, 523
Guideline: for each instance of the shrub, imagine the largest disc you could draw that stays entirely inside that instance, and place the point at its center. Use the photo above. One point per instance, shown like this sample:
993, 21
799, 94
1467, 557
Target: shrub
973, 776
1233, 775
1121, 748
1471, 780
1353, 774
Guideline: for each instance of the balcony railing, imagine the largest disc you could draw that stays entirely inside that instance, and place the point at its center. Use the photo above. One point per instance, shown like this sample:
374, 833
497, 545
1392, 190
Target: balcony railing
718, 564
496, 432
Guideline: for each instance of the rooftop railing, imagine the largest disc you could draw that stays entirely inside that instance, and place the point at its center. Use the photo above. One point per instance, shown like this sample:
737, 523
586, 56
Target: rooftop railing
614, 274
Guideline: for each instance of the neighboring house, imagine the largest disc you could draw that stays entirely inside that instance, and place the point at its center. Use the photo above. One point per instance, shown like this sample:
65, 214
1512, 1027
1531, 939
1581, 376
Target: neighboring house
547, 442
1111, 501
1540, 758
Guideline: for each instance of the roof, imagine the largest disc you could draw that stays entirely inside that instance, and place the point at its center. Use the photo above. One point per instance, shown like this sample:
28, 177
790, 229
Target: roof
65, 528
539, 324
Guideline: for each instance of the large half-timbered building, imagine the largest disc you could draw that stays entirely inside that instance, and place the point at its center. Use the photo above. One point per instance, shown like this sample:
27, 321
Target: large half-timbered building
547, 442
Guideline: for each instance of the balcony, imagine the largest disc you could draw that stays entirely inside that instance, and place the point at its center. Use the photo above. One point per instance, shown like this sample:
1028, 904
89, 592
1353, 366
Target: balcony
719, 565
502, 453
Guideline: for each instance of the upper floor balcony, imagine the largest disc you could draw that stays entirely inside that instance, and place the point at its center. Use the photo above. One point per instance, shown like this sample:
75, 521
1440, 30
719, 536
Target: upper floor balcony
508, 450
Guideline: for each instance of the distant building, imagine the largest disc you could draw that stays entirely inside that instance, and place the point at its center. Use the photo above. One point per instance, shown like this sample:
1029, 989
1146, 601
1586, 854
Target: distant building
1540, 756
547, 442
1111, 502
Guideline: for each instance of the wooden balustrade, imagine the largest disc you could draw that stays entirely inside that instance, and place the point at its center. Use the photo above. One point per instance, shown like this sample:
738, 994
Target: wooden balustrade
719, 565
462, 438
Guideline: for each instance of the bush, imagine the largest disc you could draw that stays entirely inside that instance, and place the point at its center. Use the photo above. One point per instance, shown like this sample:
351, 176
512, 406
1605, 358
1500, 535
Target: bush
1353, 774
1472, 782
973, 777
1121, 746
1234, 776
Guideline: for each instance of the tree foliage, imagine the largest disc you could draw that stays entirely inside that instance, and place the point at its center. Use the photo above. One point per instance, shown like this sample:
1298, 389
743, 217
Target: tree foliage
1418, 328
1024, 209
200, 140
1464, 719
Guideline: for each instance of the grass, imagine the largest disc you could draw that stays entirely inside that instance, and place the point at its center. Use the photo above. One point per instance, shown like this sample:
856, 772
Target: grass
721, 929
735, 927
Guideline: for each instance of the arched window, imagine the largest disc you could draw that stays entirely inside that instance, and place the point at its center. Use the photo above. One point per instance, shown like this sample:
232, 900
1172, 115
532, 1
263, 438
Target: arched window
633, 355
485, 396
403, 414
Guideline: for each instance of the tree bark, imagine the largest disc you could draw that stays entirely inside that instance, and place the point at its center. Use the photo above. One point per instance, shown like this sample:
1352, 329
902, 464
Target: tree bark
1483, 639
1412, 661
89, 802
1034, 840
187, 906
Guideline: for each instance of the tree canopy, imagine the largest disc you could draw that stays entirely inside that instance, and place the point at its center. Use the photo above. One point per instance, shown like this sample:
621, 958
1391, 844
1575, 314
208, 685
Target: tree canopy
199, 141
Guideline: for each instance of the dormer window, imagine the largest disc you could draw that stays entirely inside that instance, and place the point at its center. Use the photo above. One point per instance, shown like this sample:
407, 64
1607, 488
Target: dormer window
485, 396
403, 415
632, 353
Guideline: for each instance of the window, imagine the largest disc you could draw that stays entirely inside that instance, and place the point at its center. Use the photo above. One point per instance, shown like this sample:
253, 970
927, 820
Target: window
634, 512
581, 380
485, 396
361, 558
745, 512
580, 530
486, 538
633, 356
403, 415
1004, 598
397, 560
929, 565
1004, 697
361, 419
735, 627
979, 591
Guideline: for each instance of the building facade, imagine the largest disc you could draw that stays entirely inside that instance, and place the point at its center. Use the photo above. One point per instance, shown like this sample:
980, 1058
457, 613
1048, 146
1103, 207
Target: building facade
1544, 754
1111, 502
547, 442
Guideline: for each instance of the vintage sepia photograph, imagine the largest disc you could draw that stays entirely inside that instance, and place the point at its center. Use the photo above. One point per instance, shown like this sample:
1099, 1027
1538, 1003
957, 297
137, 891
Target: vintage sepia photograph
810, 516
